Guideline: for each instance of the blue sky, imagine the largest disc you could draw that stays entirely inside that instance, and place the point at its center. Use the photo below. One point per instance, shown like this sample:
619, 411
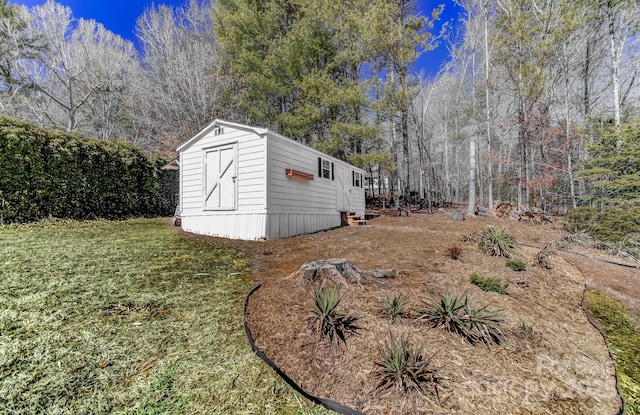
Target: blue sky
119, 16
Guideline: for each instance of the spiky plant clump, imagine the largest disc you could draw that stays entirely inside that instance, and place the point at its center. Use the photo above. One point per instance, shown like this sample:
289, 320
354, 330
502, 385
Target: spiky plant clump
454, 251
579, 237
489, 283
542, 258
406, 368
331, 325
471, 237
483, 325
497, 242
395, 306
453, 313
447, 311
627, 247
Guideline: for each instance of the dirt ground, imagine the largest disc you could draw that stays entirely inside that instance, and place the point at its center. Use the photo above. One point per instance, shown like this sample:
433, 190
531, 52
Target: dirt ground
561, 367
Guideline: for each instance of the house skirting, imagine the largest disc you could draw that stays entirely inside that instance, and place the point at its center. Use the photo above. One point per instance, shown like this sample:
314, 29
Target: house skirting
254, 226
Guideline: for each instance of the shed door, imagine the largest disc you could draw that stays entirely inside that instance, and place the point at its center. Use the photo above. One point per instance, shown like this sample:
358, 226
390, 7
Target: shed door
220, 172
343, 188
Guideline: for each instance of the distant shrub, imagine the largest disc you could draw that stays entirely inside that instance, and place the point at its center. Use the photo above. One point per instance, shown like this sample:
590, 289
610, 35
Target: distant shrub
610, 225
489, 283
454, 251
579, 219
516, 265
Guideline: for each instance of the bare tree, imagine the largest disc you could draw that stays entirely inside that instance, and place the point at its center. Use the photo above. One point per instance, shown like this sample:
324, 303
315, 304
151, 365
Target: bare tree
183, 86
80, 60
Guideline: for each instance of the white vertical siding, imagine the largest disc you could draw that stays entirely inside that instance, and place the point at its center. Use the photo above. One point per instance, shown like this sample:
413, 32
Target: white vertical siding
285, 225
233, 225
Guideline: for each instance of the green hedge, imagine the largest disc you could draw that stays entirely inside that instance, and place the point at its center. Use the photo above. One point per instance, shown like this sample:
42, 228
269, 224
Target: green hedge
55, 174
610, 225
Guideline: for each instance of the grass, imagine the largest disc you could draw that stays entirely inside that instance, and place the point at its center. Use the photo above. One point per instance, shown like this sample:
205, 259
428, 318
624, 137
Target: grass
623, 339
489, 283
127, 317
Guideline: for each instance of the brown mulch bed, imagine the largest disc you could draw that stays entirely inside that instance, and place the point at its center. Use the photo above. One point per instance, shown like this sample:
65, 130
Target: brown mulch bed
561, 366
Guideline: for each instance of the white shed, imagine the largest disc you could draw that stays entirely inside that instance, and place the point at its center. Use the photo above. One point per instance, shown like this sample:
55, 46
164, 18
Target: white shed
244, 182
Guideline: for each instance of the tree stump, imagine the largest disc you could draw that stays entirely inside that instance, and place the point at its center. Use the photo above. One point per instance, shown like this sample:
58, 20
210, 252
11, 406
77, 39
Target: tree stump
335, 270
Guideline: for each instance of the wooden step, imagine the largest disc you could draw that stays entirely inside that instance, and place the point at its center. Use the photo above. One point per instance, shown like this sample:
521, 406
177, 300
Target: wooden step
355, 221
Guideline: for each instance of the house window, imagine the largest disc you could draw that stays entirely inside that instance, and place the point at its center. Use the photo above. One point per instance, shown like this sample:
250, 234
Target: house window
357, 179
325, 168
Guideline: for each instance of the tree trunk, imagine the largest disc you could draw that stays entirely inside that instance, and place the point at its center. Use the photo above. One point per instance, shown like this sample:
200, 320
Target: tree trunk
488, 106
567, 114
471, 206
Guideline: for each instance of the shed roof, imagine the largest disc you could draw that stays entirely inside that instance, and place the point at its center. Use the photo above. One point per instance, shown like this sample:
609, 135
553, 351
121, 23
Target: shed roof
260, 131
221, 123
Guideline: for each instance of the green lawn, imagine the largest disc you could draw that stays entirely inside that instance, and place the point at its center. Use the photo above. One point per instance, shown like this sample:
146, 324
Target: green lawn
623, 339
127, 317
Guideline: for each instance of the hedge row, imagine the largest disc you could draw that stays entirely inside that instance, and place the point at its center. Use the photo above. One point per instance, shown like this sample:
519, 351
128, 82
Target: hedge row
46, 174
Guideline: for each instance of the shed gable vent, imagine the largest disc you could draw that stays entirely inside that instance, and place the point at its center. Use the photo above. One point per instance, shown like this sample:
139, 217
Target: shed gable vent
218, 131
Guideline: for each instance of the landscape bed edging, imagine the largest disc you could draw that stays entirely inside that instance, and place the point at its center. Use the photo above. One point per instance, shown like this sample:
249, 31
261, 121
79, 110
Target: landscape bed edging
327, 403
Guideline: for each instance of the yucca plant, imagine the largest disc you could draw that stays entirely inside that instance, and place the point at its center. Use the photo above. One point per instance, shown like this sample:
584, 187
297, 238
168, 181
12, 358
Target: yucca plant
579, 237
406, 368
471, 237
330, 324
395, 306
483, 325
453, 313
496, 242
542, 258
446, 311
